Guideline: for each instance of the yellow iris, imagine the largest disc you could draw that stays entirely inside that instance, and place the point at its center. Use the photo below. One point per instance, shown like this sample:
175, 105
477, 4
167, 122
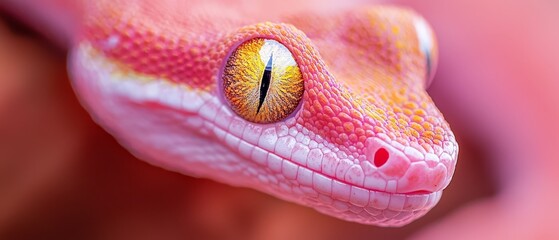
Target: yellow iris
258, 97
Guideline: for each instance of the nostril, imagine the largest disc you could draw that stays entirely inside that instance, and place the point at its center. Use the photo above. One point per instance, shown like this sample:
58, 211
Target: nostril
381, 156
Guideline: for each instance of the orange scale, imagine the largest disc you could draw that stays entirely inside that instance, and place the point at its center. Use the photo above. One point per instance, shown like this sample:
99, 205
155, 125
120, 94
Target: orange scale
439, 137
416, 126
414, 133
378, 129
402, 122
428, 134
417, 119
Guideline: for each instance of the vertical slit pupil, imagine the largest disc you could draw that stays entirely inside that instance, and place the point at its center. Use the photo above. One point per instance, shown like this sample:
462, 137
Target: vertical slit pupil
265, 83
428, 64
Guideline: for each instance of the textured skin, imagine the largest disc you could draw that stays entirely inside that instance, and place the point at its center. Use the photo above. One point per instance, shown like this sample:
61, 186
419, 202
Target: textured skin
150, 74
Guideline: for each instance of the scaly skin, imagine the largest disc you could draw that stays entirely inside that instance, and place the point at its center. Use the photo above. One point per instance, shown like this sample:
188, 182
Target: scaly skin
150, 74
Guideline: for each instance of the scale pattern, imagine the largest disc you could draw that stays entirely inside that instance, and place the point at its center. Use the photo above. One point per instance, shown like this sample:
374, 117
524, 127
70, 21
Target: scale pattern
367, 140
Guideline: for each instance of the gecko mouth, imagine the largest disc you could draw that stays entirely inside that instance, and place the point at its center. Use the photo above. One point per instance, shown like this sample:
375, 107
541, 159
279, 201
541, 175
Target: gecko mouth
327, 193
420, 192
299, 161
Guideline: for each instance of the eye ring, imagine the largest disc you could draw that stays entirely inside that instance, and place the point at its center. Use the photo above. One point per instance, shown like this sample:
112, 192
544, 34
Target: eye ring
261, 81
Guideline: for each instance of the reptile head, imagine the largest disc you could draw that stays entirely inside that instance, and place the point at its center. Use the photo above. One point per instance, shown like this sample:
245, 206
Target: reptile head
360, 139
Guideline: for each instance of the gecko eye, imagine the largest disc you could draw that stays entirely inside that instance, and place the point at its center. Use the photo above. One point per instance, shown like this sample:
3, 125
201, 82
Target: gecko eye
262, 82
428, 46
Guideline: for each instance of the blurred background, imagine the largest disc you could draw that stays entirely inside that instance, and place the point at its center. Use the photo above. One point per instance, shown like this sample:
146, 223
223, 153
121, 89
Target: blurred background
63, 177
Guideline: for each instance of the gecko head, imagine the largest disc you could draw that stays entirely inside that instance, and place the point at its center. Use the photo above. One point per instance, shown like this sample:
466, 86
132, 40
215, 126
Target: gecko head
329, 111
354, 122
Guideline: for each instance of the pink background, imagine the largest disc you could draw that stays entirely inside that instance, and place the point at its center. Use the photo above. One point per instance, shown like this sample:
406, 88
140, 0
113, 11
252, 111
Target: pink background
61, 176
